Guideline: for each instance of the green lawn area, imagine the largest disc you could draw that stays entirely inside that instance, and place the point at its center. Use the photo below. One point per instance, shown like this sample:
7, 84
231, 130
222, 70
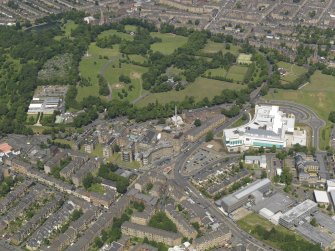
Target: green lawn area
212, 47
318, 95
130, 70
244, 58
95, 51
122, 35
200, 89
67, 28
97, 150
293, 71
169, 43
250, 222
218, 72
237, 72
137, 58
98, 188
89, 67
130, 27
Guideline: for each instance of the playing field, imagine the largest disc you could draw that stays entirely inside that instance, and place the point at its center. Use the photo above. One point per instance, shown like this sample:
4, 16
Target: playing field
318, 95
244, 58
169, 43
218, 72
213, 47
200, 89
237, 72
130, 70
292, 71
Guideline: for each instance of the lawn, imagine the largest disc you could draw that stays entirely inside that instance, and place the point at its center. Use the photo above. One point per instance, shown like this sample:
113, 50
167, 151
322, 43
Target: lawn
218, 72
97, 188
237, 72
249, 223
200, 89
318, 95
213, 47
293, 71
169, 43
122, 35
137, 58
89, 68
67, 28
130, 70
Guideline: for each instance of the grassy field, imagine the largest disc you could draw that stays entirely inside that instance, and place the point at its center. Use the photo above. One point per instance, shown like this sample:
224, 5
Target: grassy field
212, 47
67, 28
249, 223
200, 89
318, 95
293, 71
137, 58
122, 35
130, 70
218, 72
169, 43
237, 72
89, 68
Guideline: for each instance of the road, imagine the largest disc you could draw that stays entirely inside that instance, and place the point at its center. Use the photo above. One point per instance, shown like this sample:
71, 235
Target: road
206, 203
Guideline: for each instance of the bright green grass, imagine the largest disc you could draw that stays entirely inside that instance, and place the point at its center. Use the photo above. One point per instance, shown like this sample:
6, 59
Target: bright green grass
169, 43
218, 72
293, 71
200, 89
318, 95
97, 188
122, 35
237, 72
212, 47
97, 152
130, 70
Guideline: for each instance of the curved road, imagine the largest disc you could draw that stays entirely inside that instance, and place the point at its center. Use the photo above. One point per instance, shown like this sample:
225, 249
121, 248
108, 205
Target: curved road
307, 116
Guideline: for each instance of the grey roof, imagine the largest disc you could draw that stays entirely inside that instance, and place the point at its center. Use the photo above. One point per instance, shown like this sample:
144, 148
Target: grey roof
299, 210
278, 202
325, 221
151, 230
314, 235
246, 191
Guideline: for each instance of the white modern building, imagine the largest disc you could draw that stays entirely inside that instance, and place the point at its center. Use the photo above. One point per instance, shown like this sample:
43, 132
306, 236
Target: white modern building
269, 127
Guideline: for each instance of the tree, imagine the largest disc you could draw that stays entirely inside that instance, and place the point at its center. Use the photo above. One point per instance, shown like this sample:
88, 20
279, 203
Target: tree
88, 181
314, 222
331, 116
264, 174
197, 122
209, 136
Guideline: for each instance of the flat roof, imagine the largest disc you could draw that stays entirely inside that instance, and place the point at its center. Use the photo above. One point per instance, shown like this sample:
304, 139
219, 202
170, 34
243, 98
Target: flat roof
321, 196
299, 210
254, 186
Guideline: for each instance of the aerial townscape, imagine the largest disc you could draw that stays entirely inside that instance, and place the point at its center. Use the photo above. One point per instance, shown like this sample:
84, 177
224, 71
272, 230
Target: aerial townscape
167, 125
